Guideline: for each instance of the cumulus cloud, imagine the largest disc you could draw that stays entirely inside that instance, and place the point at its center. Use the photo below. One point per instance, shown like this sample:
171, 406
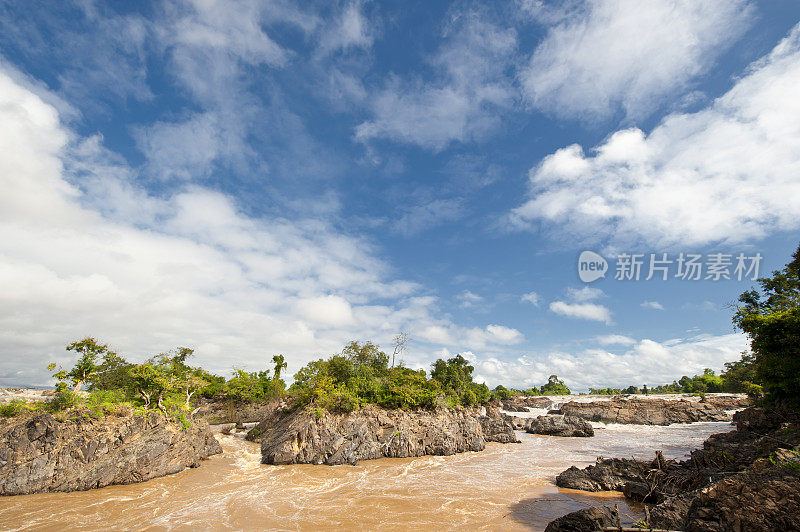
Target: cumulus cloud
585, 311
86, 252
655, 305
602, 56
639, 362
695, 179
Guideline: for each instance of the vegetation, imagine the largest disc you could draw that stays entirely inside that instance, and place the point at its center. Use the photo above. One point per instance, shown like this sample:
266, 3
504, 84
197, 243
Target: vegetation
165, 382
771, 318
361, 374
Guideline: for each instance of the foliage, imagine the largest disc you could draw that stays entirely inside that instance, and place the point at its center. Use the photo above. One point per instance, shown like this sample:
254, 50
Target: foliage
555, 386
771, 318
86, 366
360, 375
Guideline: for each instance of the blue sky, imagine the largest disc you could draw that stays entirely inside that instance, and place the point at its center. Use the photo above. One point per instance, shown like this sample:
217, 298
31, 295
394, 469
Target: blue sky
256, 177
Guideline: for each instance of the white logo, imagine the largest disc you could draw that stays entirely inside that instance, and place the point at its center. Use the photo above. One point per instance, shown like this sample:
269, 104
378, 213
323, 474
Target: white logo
591, 266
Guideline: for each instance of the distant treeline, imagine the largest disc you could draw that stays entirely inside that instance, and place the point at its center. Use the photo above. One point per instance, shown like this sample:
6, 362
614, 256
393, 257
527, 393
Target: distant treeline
738, 377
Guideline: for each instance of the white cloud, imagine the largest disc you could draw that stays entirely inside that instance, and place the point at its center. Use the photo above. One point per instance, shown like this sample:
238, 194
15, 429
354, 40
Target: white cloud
457, 105
586, 311
326, 310
587, 293
351, 29
655, 305
615, 339
468, 299
603, 55
695, 179
642, 362
532, 298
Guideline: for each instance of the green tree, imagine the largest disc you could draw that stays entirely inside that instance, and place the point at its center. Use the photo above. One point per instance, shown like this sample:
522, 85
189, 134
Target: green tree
771, 318
555, 386
151, 383
280, 365
114, 373
740, 376
86, 366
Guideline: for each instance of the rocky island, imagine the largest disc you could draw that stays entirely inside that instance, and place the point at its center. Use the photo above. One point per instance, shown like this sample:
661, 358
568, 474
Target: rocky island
44, 454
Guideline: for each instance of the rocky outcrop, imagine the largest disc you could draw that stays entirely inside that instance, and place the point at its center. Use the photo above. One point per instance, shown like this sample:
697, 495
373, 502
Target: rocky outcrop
497, 429
524, 403
555, 425
605, 475
318, 437
42, 454
727, 402
552, 425
222, 412
747, 479
645, 411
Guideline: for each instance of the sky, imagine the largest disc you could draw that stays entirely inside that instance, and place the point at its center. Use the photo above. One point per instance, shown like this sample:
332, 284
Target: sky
248, 178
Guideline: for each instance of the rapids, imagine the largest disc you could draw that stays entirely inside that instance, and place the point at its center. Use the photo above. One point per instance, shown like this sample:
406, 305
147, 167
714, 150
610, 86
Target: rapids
508, 487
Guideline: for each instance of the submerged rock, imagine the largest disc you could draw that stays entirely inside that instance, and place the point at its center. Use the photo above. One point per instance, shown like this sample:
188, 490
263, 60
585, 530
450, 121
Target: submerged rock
645, 411
42, 454
319, 437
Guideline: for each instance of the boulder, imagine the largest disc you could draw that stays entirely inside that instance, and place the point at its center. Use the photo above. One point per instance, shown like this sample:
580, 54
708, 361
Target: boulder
645, 411
584, 520
308, 436
605, 475
497, 430
555, 425
42, 454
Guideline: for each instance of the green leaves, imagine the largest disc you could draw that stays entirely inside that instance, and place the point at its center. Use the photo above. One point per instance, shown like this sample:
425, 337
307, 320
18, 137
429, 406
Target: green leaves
771, 318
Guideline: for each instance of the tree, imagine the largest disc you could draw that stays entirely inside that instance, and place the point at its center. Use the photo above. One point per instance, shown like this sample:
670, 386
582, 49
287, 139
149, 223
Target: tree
280, 365
771, 318
86, 366
399, 343
151, 382
555, 386
740, 376
112, 374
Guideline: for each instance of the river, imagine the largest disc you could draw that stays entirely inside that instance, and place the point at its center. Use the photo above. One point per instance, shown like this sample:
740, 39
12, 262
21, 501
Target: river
508, 487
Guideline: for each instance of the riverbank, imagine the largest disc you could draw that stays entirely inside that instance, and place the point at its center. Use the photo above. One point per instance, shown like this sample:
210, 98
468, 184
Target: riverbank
234, 490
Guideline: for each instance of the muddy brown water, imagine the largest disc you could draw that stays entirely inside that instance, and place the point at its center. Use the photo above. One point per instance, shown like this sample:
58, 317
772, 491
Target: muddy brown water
505, 487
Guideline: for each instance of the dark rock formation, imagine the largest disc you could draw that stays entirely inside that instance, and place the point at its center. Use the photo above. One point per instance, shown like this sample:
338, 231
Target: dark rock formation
42, 454
605, 475
512, 405
224, 412
747, 479
497, 429
584, 520
319, 437
645, 411
552, 425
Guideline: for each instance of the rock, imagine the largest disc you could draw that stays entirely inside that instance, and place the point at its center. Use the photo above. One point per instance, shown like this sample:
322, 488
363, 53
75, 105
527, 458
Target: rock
748, 502
605, 475
537, 402
584, 520
42, 454
319, 437
645, 411
554, 425
512, 405
497, 430
222, 412
727, 402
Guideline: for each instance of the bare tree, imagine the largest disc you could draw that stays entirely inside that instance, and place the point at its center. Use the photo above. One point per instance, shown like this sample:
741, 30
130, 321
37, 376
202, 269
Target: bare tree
399, 343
